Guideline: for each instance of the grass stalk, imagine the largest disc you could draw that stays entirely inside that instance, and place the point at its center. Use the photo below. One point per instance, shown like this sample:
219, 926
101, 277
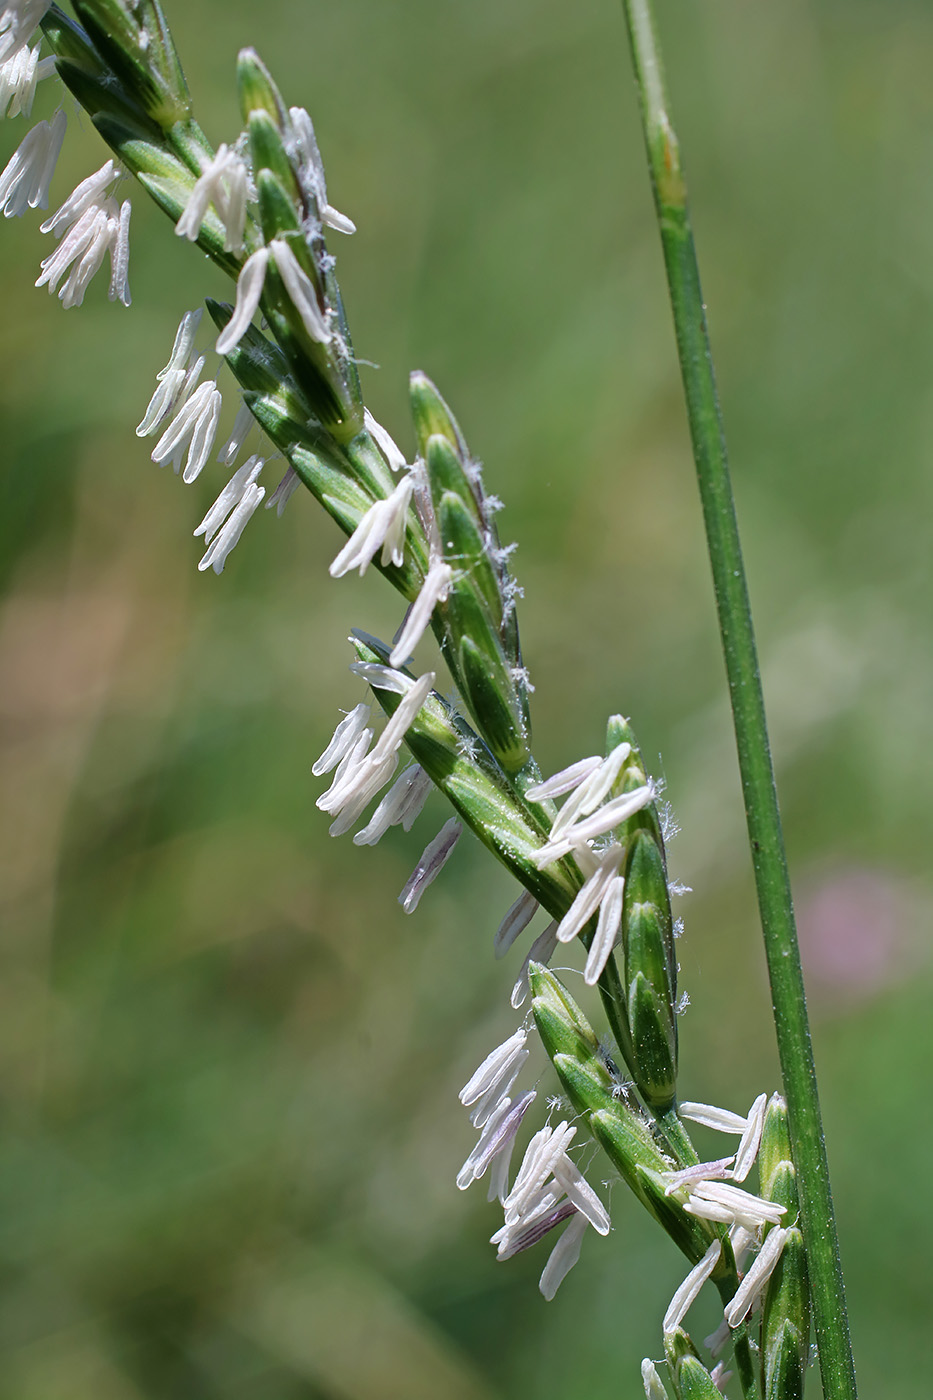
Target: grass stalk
738, 640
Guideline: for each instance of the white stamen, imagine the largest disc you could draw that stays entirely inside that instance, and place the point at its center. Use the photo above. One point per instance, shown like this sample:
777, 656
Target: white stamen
361, 788
496, 1138
581, 1194
517, 918
222, 183
248, 294
284, 491
334, 219
544, 1149
708, 1116
162, 402
703, 1171
171, 394
234, 214
25, 178
19, 20
242, 424
382, 677
564, 781
718, 1339
357, 779
300, 290
742, 1241
749, 1290
383, 525
542, 950
347, 774
688, 1290
400, 722
311, 171
491, 1068
39, 198
710, 1210
563, 1257
230, 497
515, 1238
591, 791
751, 1139
466, 1175
499, 1147
194, 427
569, 812
190, 381
481, 1111
499, 1174
600, 785
395, 807
714, 1200
654, 1387
120, 258
345, 736
18, 78
619, 809
536, 1211
591, 895
607, 931
216, 556
418, 794
720, 1377
183, 343
433, 591
433, 859
385, 442
84, 196
82, 249
174, 383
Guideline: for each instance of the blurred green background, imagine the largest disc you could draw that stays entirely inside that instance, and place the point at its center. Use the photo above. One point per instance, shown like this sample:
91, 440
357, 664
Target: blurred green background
228, 1062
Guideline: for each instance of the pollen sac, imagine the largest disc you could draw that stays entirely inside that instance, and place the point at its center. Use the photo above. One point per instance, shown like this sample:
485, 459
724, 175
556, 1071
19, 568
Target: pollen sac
785, 1328
650, 977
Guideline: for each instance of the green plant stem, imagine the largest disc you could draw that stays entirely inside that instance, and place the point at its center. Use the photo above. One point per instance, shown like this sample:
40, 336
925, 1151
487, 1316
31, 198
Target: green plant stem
764, 823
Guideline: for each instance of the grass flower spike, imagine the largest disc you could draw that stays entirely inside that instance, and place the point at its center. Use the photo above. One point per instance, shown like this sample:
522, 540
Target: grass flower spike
585, 848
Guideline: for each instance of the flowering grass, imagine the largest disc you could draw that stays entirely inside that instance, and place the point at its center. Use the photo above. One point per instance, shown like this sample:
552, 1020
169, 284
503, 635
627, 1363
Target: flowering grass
438, 595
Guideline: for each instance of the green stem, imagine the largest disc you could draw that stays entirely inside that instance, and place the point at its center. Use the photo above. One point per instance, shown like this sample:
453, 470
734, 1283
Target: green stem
744, 1357
764, 823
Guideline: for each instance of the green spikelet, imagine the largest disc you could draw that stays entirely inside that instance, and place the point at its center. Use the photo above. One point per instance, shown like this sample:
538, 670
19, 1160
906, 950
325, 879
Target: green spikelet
622, 1131
456, 759
785, 1328
691, 1379
649, 1037
480, 636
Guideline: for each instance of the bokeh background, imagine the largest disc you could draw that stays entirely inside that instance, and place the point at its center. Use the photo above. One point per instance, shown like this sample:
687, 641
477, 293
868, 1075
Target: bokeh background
228, 1061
